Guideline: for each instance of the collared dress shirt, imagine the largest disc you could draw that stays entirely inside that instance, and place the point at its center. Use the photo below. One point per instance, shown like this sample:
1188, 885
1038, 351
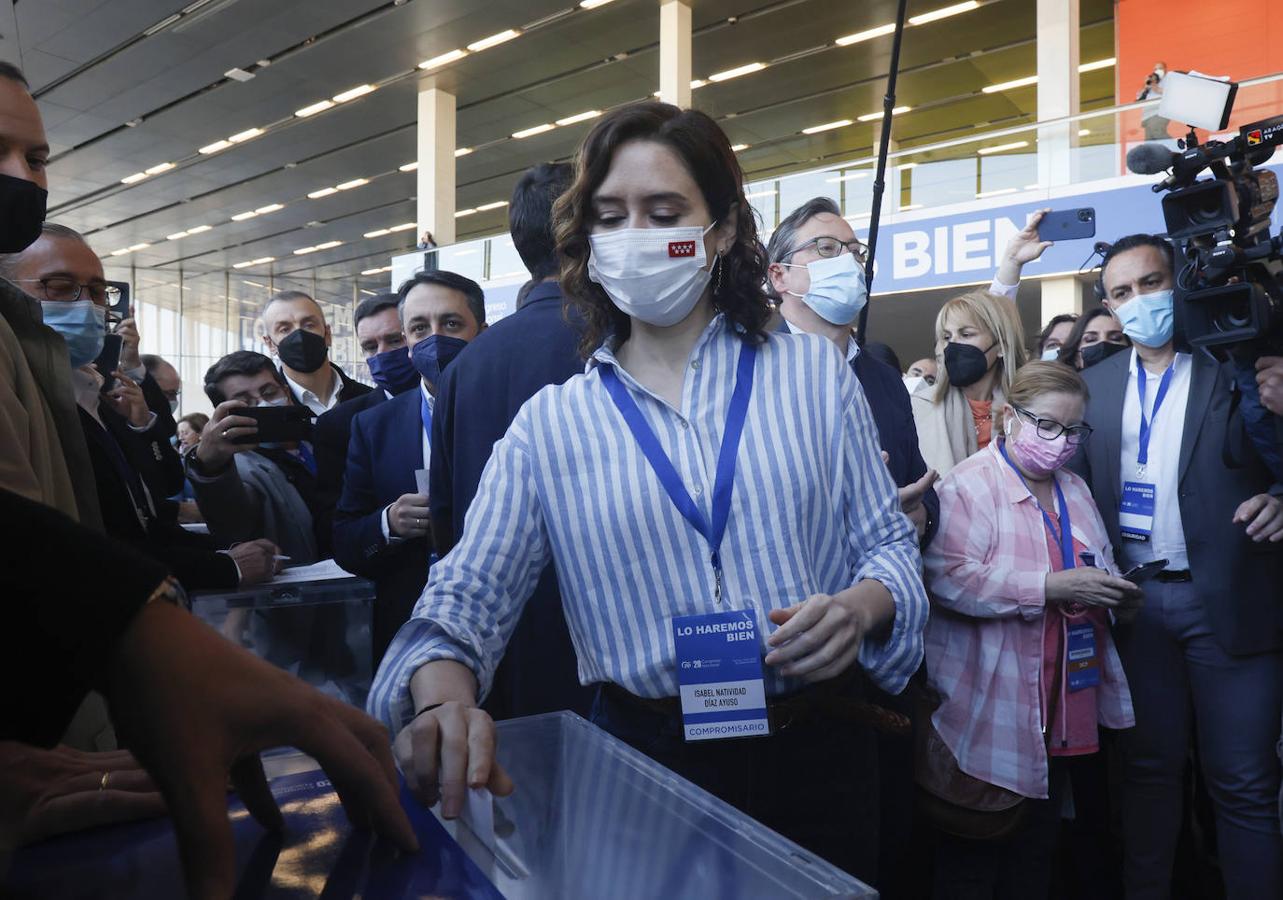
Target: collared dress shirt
313, 401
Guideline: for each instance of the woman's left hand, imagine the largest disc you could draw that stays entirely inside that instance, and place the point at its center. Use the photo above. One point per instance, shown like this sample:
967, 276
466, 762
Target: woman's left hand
820, 638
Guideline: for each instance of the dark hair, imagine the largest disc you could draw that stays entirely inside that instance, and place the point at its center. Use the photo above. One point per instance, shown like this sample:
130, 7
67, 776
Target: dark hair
454, 281
1051, 326
1132, 242
703, 148
372, 306
240, 362
13, 73
1069, 349
289, 297
882, 353
530, 216
785, 234
197, 421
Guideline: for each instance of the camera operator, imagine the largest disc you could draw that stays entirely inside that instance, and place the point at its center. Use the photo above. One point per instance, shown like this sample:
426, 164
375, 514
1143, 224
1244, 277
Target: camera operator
1154, 124
1207, 639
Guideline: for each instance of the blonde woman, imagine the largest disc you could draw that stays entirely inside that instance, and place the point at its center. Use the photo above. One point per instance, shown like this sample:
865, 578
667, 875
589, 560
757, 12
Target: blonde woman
979, 345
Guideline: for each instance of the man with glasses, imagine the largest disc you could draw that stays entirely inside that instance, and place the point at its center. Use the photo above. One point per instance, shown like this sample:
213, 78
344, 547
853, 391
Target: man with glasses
817, 274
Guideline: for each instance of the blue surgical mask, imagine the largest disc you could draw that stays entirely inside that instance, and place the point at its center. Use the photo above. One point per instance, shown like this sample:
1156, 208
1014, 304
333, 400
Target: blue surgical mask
393, 370
432, 354
1051, 354
1147, 318
837, 292
82, 324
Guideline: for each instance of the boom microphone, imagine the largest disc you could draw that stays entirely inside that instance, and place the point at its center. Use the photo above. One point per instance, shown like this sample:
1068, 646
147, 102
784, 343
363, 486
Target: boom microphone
1151, 159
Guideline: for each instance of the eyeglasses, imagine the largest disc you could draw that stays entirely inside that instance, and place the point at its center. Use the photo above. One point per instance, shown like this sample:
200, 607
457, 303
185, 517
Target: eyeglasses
61, 289
1050, 429
829, 247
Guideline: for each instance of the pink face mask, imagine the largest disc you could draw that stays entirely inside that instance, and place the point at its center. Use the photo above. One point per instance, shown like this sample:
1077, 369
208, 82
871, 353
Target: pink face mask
1036, 455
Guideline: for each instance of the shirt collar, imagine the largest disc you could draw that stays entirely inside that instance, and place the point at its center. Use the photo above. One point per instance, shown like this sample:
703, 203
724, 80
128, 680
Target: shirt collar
306, 394
427, 395
544, 290
852, 345
605, 354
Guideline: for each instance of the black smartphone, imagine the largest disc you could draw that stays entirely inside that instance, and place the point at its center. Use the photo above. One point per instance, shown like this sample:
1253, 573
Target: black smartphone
277, 424
1067, 224
1145, 571
109, 360
120, 309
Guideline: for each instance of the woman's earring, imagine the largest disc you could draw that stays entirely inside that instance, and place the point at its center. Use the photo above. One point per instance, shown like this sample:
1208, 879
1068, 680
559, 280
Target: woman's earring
721, 264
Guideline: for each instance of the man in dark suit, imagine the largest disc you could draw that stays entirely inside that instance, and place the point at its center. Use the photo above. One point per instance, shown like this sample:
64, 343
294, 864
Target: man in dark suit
815, 233
515, 358
1207, 640
381, 528
378, 333
296, 333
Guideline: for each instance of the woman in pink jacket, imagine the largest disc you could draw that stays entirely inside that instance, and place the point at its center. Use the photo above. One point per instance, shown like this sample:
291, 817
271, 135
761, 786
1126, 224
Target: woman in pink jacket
1022, 580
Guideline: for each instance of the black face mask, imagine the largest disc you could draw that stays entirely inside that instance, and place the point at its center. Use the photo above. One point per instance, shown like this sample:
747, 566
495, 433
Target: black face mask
965, 363
1098, 352
22, 211
302, 351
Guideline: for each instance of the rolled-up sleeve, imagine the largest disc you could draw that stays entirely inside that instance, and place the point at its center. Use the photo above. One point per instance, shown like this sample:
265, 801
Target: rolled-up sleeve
474, 596
883, 545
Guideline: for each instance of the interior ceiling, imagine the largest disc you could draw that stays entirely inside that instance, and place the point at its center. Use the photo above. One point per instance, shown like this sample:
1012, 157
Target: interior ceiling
117, 100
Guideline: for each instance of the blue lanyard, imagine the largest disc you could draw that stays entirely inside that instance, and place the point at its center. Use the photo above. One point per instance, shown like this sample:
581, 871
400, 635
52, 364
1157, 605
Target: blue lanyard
305, 457
1066, 535
1146, 425
425, 415
667, 473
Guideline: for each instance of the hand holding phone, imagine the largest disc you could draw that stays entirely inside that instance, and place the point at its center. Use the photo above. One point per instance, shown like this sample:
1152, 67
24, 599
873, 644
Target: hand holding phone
108, 361
1145, 571
1068, 224
278, 424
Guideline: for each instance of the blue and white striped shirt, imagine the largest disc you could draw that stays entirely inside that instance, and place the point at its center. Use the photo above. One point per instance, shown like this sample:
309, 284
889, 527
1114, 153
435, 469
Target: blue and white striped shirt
814, 510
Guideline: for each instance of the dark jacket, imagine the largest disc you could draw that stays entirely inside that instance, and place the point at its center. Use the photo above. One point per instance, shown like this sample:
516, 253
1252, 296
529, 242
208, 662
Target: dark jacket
384, 451
329, 443
1238, 580
119, 459
478, 398
68, 603
350, 389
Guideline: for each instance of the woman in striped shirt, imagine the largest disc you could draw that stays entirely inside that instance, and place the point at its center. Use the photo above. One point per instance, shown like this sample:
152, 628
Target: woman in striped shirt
623, 478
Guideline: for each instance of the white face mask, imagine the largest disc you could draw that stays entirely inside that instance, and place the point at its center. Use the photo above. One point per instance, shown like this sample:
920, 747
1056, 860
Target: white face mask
913, 382
1051, 354
279, 401
656, 275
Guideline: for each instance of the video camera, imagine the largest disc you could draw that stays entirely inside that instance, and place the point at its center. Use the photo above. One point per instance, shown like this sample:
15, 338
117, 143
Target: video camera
1230, 291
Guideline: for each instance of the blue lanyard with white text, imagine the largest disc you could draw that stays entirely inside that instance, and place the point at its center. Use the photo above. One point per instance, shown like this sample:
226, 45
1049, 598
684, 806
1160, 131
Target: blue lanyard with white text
305, 456
1066, 535
667, 474
425, 414
1146, 425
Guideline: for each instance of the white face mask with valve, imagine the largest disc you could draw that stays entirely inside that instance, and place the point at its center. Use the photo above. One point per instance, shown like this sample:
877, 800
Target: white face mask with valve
656, 275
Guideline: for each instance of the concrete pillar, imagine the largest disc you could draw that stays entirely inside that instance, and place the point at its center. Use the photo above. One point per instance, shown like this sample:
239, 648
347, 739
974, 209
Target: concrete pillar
436, 181
675, 52
1062, 294
1057, 89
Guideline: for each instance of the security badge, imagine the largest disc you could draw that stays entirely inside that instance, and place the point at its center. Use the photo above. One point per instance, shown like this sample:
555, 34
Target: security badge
1136, 511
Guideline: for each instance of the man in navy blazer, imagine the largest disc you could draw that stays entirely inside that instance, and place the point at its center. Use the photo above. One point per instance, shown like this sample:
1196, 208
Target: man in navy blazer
381, 527
534, 347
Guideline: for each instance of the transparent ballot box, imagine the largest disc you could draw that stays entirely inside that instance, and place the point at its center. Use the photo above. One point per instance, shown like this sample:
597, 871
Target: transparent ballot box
594, 818
317, 628
591, 818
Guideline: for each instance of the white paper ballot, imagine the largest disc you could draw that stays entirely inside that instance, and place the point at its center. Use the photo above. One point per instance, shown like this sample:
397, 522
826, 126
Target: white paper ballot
478, 815
421, 481
325, 570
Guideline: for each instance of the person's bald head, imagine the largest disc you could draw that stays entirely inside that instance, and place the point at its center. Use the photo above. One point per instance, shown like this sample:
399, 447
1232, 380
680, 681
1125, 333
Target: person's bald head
289, 311
59, 252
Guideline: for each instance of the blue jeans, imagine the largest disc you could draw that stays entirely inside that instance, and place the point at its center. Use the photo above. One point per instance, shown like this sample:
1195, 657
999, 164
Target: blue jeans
1181, 678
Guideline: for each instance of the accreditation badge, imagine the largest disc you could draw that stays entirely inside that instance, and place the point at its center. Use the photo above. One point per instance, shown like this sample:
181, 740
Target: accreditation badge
1136, 511
719, 670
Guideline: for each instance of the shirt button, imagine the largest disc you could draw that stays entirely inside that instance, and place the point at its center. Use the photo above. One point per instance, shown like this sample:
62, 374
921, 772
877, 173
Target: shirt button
699, 490
695, 365
685, 424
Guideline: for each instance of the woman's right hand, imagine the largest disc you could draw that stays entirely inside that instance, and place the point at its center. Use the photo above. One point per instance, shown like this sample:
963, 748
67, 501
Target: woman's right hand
1095, 587
447, 750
